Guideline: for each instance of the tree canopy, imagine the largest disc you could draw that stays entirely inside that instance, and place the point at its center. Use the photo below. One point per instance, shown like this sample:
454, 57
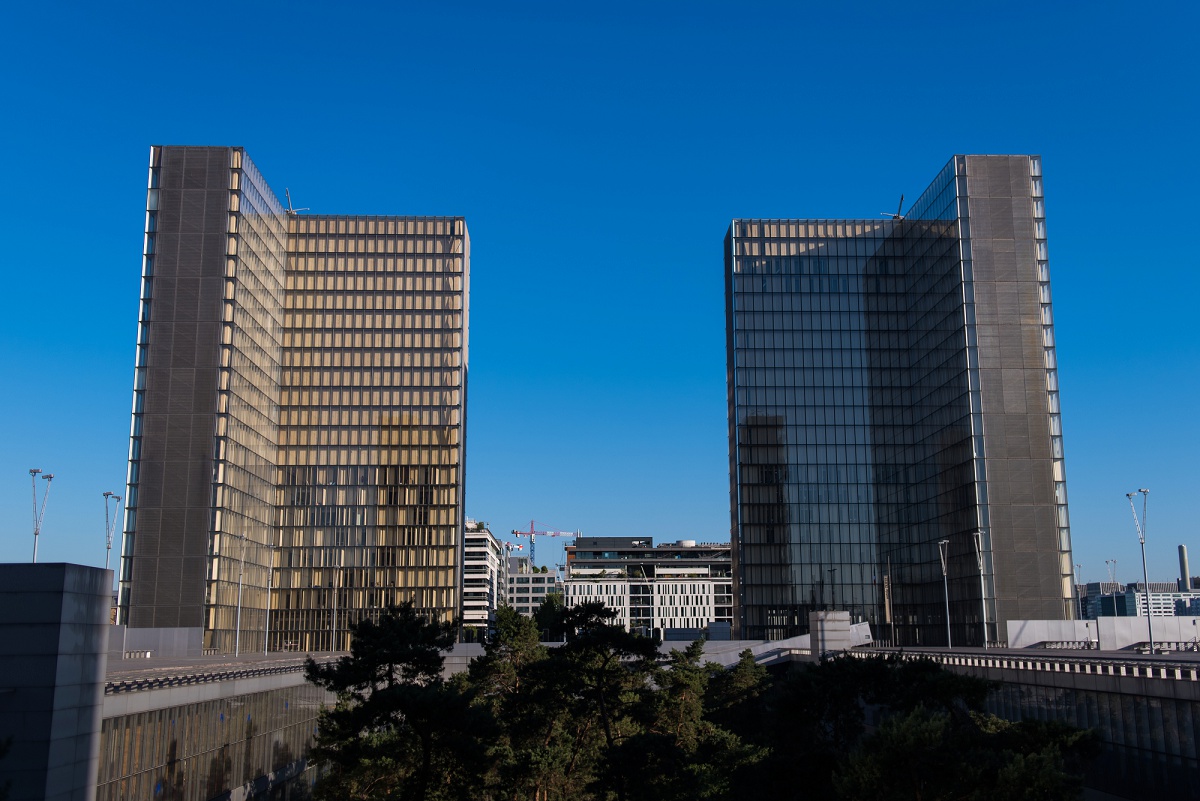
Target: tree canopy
604, 716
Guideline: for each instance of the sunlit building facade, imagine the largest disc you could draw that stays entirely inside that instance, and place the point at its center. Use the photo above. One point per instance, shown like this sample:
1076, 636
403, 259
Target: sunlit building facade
681, 586
485, 580
893, 384
299, 412
528, 587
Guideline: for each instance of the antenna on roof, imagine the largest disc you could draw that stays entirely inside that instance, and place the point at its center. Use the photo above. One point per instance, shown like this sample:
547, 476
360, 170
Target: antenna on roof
899, 208
293, 212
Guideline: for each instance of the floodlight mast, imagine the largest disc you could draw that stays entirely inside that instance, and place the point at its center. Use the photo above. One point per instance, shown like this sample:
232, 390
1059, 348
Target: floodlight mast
1140, 525
978, 536
33, 474
944, 552
39, 515
110, 528
270, 579
237, 633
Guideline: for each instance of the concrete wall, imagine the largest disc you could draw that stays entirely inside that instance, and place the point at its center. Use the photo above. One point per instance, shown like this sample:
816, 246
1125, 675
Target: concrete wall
830, 631
459, 658
53, 651
169, 642
1030, 633
1117, 633
1105, 633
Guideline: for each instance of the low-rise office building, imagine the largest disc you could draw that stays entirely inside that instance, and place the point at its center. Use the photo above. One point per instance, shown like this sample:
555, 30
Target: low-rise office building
528, 586
675, 589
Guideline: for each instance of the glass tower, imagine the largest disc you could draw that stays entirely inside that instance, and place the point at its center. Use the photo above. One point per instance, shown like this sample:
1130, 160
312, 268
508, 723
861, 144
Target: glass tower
893, 385
297, 441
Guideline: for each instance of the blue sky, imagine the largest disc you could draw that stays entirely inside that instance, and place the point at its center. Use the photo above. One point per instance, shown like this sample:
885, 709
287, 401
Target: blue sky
598, 152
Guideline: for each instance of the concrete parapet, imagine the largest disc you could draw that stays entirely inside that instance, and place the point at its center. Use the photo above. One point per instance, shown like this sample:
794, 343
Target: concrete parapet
1105, 633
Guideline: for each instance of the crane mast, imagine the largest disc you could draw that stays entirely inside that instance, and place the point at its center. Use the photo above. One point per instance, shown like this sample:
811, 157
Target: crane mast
533, 533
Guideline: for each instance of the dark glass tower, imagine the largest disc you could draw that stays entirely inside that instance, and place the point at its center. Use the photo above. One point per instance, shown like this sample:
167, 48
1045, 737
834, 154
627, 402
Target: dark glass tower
893, 384
296, 453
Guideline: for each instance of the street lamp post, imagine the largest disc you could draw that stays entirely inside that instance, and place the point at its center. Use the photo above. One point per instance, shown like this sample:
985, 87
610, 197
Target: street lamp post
978, 535
943, 551
1140, 525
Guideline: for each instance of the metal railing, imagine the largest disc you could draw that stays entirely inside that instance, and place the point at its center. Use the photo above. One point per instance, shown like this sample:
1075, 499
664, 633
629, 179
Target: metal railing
1096, 666
183, 679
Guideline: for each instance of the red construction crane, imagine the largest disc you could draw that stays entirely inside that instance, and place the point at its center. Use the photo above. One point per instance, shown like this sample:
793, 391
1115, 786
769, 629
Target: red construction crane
533, 534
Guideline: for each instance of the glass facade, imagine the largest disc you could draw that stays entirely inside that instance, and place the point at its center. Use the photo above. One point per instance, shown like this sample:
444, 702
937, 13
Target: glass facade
874, 413
372, 413
197, 751
299, 412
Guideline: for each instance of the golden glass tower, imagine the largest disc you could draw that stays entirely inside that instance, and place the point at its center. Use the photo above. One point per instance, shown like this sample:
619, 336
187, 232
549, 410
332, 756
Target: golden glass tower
296, 452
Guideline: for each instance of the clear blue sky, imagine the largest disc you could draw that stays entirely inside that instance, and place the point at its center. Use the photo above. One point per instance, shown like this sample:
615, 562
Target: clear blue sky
598, 153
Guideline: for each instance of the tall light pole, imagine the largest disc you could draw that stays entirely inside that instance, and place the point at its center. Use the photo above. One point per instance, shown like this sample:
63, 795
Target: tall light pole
33, 474
333, 618
944, 552
978, 535
38, 516
1140, 525
1079, 600
270, 576
110, 528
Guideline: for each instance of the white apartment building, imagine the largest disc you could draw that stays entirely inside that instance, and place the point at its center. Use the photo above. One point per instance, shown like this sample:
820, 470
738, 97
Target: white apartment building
675, 586
484, 577
527, 586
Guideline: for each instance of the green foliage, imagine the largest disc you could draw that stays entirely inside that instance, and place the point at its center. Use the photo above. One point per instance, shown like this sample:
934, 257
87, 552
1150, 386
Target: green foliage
550, 617
680, 754
398, 730
604, 717
497, 675
929, 755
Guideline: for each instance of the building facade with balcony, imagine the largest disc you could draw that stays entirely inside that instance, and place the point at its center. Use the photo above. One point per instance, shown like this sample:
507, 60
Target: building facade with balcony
680, 589
485, 579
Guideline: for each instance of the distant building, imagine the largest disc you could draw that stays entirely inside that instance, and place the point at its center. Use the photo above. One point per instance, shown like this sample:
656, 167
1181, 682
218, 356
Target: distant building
485, 577
674, 587
1089, 597
1109, 599
528, 586
1189, 607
